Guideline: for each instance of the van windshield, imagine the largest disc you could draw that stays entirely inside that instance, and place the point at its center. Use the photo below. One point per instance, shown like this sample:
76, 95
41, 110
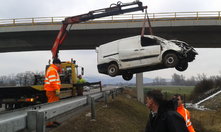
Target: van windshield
145, 41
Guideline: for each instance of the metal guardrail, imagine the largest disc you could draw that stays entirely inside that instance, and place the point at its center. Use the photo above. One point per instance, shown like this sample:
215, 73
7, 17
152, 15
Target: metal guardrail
34, 118
206, 94
13, 121
166, 16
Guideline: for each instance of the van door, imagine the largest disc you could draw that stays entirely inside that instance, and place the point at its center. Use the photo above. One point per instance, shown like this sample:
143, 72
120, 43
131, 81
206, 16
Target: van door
150, 50
129, 52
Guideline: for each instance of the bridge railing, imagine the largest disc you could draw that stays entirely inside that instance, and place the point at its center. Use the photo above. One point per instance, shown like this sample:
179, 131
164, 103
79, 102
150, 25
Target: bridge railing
165, 16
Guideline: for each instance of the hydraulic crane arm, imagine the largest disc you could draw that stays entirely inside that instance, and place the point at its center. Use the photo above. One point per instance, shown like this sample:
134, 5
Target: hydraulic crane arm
114, 9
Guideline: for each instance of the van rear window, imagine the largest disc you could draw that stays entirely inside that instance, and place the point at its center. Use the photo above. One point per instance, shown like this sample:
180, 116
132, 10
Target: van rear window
145, 41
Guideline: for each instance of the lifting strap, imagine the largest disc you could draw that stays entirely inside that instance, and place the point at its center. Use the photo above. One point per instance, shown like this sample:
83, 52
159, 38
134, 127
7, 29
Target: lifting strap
146, 18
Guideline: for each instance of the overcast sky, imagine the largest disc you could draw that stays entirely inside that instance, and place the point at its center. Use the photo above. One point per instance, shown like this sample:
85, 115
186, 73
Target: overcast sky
46, 8
207, 61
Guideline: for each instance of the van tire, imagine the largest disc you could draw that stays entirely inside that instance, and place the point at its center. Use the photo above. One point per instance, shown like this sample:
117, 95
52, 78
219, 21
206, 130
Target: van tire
170, 60
112, 69
127, 76
182, 66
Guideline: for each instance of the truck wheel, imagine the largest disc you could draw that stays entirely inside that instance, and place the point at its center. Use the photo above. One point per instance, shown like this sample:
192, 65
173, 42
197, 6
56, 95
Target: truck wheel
112, 69
170, 60
127, 76
182, 66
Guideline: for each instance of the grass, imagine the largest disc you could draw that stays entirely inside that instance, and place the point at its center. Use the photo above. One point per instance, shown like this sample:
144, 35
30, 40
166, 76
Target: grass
169, 91
206, 121
210, 120
124, 114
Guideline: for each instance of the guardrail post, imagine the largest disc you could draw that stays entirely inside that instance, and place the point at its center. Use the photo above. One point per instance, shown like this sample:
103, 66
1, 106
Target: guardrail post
36, 121
31, 120
88, 99
175, 16
197, 15
121, 90
13, 21
40, 122
153, 16
52, 20
219, 15
33, 21
93, 110
132, 18
116, 94
100, 86
105, 98
112, 94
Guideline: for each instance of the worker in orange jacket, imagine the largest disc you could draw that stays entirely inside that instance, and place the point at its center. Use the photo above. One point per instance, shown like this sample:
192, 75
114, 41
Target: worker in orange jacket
184, 112
52, 81
52, 86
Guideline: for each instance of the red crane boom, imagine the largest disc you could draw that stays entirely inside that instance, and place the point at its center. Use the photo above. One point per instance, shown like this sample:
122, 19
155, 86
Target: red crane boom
114, 9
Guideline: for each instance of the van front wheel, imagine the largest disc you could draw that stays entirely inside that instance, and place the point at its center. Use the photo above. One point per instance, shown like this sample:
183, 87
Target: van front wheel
127, 76
112, 70
182, 66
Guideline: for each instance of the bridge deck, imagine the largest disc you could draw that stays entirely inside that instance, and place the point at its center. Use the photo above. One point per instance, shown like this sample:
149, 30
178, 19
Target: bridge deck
200, 29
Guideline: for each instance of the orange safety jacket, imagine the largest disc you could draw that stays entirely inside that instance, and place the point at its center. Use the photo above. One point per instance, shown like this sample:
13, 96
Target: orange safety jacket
186, 115
52, 79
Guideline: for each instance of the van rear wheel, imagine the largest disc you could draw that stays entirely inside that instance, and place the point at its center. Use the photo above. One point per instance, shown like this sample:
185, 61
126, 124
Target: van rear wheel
112, 69
127, 76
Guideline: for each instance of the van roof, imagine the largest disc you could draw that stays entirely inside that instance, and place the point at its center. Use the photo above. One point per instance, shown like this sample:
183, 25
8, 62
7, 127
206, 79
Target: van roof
129, 38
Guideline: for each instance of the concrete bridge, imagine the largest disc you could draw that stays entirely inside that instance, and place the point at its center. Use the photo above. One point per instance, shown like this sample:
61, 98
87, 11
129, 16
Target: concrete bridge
200, 29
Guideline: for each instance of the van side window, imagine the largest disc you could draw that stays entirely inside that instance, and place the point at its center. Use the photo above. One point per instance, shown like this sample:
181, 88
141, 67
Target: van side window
145, 41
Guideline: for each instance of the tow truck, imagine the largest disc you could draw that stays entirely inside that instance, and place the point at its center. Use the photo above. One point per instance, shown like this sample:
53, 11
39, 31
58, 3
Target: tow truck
17, 97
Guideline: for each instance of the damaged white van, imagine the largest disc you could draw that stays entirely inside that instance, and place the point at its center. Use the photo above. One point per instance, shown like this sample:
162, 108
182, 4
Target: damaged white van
139, 54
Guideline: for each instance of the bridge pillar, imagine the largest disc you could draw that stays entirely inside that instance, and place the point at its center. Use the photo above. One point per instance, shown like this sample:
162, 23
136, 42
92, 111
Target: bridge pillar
139, 85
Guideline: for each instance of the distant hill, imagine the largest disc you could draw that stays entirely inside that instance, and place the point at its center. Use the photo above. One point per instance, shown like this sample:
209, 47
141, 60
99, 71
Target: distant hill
114, 80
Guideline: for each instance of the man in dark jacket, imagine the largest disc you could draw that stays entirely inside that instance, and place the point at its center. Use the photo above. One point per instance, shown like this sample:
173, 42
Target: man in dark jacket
162, 118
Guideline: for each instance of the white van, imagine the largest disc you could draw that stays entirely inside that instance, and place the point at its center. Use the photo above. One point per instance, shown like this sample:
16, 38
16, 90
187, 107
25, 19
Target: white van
138, 54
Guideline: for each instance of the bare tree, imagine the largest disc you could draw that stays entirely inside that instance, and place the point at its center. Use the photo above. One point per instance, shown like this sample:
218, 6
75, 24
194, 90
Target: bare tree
159, 81
21, 79
25, 79
201, 77
7, 80
191, 82
178, 79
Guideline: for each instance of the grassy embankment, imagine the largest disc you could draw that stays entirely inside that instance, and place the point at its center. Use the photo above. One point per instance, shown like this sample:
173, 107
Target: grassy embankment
169, 91
125, 114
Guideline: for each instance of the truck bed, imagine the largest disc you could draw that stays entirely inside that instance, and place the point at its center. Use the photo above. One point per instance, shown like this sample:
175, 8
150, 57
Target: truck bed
17, 91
